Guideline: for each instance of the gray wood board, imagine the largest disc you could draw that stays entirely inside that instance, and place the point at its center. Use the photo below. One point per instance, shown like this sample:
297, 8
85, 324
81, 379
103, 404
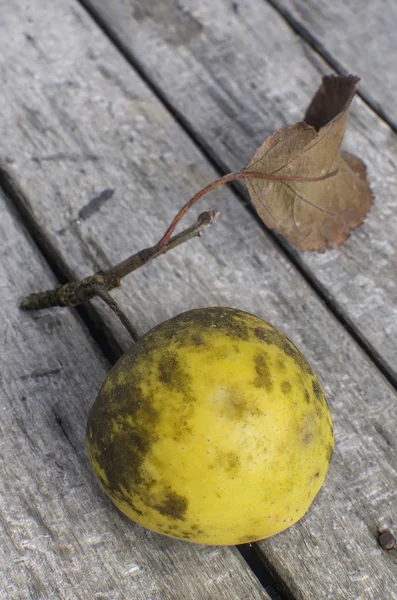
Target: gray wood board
357, 37
60, 538
236, 72
90, 124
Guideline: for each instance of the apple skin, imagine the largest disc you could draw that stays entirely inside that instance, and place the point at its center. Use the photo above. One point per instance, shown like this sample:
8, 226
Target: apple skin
212, 428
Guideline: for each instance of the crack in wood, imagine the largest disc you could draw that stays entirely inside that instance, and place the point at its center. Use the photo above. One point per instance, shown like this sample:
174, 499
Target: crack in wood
39, 374
59, 421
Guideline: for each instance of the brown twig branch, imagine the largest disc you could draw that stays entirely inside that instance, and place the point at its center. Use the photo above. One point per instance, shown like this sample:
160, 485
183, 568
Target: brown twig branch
99, 284
103, 294
76, 292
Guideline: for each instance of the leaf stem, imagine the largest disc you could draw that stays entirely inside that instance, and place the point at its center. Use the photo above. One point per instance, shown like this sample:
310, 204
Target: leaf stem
229, 178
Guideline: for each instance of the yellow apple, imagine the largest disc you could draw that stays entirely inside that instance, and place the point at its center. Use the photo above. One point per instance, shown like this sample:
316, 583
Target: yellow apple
213, 428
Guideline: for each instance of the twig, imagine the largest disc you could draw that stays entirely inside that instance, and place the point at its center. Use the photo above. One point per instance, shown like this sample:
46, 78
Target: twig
76, 292
104, 295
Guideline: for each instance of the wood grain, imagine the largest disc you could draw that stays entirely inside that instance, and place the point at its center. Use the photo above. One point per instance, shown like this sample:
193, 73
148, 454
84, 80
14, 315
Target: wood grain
242, 75
90, 124
60, 538
356, 37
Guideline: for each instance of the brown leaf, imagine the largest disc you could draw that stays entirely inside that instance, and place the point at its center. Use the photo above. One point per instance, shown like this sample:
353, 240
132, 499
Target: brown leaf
313, 215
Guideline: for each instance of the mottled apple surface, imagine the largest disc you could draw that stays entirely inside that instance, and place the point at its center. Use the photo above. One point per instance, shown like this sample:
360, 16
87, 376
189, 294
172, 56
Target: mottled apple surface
213, 428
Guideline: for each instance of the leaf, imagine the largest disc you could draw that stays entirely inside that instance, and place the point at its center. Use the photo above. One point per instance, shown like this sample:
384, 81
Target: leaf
321, 214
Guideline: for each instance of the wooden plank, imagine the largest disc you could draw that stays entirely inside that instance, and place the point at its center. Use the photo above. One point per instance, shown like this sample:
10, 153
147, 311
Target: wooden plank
237, 75
90, 124
60, 537
354, 37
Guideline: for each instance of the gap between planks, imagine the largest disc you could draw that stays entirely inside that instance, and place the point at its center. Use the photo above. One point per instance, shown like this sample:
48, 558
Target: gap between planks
314, 43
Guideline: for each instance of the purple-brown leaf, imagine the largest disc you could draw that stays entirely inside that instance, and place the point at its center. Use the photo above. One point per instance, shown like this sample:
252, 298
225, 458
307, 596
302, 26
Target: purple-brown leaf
321, 214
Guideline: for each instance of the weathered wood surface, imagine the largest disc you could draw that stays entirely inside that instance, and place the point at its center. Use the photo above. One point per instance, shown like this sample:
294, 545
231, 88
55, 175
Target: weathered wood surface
59, 536
357, 37
236, 72
90, 124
